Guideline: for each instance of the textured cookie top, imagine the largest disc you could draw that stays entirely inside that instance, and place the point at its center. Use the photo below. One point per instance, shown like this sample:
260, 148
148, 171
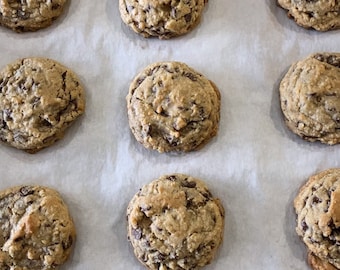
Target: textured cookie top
175, 223
29, 15
171, 107
318, 215
37, 232
161, 18
39, 99
310, 98
322, 15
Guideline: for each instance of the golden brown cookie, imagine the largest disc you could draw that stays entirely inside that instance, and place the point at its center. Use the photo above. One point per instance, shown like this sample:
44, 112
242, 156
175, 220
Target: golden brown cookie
39, 99
29, 15
37, 232
322, 15
310, 98
175, 223
172, 107
318, 218
161, 18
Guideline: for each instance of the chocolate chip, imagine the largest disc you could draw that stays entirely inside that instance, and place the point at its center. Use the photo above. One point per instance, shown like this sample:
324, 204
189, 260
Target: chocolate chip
137, 233
187, 17
207, 195
188, 184
330, 59
19, 239
55, 6
3, 124
189, 203
190, 76
171, 140
35, 101
304, 225
7, 115
160, 257
140, 80
68, 243
46, 123
25, 191
316, 200
23, 15
171, 177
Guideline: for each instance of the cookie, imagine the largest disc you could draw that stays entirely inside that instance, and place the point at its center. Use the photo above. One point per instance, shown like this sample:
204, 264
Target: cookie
171, 107
175, 223
161, 18
39, 99
310, 98
318, 218
22, 16
317, 264
320, 15
37, 231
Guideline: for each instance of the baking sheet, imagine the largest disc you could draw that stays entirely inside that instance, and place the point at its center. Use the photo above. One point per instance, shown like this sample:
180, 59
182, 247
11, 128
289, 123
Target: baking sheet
255, 165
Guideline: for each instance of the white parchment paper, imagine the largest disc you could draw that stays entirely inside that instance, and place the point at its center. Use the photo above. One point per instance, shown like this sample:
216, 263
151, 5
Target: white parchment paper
255, 164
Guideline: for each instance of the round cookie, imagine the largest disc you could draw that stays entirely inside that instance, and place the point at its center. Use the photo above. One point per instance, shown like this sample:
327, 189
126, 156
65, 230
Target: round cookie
318, 14
32, 15
39, 99
310, 98
171, 107
161, 18
37, 231
318, 218
175, 223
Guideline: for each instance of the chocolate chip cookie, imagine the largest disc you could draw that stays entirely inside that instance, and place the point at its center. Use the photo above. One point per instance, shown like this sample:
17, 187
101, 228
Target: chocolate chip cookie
318, 218
161, 18
175, 223
171, 107
37, 231
39, 99
32, 15
310, 98
318, 14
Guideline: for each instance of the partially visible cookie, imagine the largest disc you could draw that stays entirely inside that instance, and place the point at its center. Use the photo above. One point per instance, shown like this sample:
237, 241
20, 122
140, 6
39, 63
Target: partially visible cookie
310, 98
161, 18
318, 218
37, 231
172, 107
39, 99
322, 15
31, 15
317, 264
175, 223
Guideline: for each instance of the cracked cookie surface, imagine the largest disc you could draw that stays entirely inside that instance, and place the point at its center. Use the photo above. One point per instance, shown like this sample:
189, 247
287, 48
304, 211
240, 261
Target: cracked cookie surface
175, 223
171, 107
32, 15
37, 232
318, 218
161, 18
310, 98
39, 99
322, 15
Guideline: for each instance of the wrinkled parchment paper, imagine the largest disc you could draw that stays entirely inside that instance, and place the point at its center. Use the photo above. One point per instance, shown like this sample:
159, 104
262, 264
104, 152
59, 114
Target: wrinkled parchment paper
255, 164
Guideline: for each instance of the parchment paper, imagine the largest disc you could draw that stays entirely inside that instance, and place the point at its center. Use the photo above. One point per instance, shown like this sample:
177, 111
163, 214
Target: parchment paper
255, 164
